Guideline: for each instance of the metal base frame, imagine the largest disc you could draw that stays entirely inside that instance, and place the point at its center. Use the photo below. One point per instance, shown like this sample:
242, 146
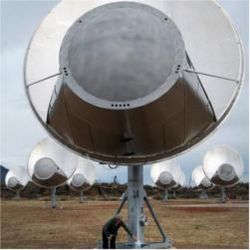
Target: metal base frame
82, 197
136, 197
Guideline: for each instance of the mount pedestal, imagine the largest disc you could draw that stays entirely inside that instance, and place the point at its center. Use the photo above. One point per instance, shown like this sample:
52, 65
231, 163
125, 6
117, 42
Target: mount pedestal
82, 198
136, 197
17, 195
223, 197
203, 195
174, 194
53, 203
165, 196
53, 197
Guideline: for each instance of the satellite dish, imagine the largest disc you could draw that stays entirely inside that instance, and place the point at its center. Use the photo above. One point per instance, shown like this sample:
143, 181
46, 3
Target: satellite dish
223, 166
181, 182
16, 179
83, 177
50, 164
131, 83
178, 186
171, 75
200, 180
166, 174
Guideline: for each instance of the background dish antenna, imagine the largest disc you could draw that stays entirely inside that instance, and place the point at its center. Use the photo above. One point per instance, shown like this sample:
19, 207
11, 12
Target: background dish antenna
201, 181
223, 166
50, 165
167, 175
83, 177
16, 179
180, 185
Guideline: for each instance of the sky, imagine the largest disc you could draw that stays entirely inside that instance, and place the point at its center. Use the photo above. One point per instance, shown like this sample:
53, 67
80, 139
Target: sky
21, 131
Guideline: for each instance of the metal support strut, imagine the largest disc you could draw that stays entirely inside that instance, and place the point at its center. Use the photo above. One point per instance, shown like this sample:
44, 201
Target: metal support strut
174, 194
165, 195
136, 196
17, 197
53, 197
81, 196
135, 202
203, 195
223, 197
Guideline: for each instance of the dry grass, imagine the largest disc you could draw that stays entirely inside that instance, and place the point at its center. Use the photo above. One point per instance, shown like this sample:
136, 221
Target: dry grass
28, 224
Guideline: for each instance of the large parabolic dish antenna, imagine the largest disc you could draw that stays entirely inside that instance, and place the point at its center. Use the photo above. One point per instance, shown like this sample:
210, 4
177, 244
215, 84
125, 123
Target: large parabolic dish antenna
133, 82
17, 178
84, 175
50, 164
199, 178
181, 182
166, 174
223, 166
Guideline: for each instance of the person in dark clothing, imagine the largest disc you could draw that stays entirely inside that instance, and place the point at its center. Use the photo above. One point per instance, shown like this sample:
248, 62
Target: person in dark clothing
110, 231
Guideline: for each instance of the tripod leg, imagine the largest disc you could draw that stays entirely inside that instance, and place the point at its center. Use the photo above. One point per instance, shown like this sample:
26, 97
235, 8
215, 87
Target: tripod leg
164, 236
124, 199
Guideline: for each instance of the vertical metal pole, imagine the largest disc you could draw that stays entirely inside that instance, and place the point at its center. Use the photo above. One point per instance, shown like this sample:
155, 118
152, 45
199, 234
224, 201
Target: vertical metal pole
203, 195
223, 195
53, 197
124, 199
18, 194
174, 194
81, 196
135, 203
165, 197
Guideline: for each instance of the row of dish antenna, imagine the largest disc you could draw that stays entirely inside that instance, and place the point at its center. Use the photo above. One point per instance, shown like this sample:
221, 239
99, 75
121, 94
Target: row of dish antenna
51, 165
222, 166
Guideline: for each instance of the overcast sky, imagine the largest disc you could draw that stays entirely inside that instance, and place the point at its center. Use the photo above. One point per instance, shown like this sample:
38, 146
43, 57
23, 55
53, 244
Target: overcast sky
20, 130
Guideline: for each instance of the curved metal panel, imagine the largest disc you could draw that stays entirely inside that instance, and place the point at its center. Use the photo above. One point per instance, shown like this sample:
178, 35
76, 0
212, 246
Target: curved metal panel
17, 178
50, 164
200, 179
163, 121
166, 174
223, 165
84, 175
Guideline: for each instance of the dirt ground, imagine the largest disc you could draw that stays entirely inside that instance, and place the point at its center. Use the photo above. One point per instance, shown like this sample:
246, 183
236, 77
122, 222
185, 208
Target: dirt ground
188, 223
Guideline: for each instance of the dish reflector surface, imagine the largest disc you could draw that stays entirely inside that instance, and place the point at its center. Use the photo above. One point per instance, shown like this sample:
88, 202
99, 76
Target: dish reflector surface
165, 179
16, 178
130, 73
200, 179
181, 182
125, 121
166, 174
50, 164
45, 168
84, 175
223, 166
